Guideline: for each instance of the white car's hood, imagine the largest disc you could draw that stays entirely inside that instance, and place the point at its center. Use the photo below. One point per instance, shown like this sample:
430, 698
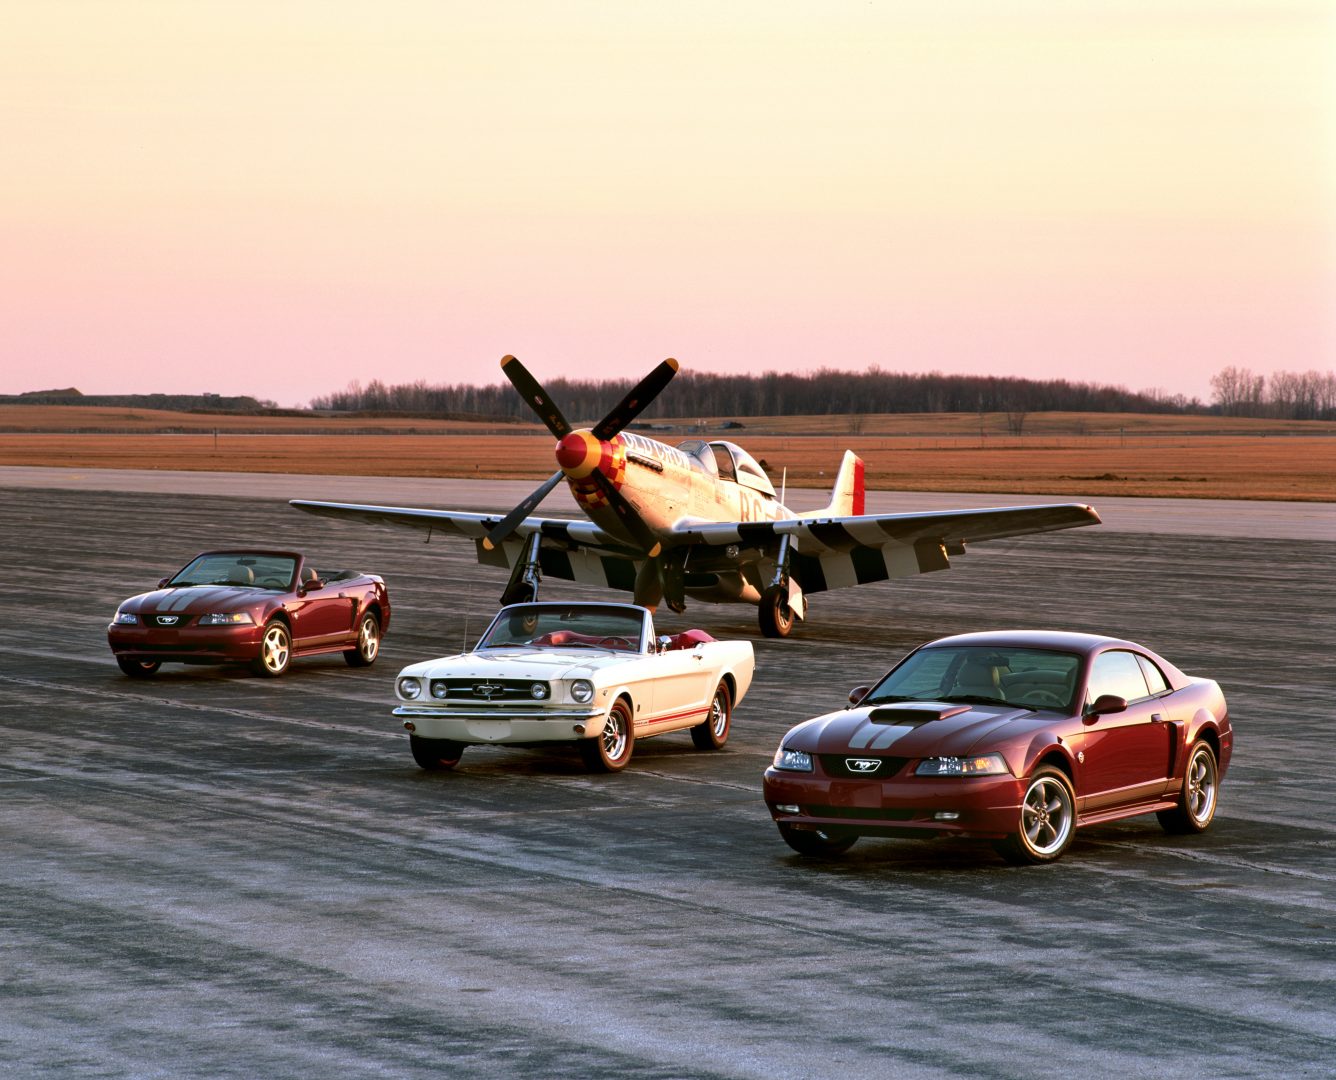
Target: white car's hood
520, 663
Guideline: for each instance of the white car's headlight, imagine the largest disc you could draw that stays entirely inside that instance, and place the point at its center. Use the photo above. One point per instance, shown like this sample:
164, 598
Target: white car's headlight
410, 688
582, 691
793, 760
440, 689
539, 690
983, 765
125, 618
226, 618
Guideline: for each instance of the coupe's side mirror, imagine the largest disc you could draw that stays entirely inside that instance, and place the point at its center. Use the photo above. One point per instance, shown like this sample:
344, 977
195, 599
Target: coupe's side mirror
1106, 704
163, 581
857, 694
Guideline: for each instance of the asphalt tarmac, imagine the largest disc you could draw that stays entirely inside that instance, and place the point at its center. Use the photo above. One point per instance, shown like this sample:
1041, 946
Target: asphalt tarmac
214, 875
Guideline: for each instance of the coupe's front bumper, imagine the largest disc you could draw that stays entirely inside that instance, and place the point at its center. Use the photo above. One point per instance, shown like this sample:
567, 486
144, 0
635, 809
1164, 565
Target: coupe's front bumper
913, 806
502, 725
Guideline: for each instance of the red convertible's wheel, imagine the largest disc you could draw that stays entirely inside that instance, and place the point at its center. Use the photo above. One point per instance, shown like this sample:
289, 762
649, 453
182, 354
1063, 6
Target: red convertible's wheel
712, 732
817, 842
1047, 820
368, 643
138, 669
611, 750
435, 755
275, 650
1196, 802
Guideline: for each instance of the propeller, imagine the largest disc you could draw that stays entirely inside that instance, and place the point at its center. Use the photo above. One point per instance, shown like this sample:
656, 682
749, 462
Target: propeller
626, 410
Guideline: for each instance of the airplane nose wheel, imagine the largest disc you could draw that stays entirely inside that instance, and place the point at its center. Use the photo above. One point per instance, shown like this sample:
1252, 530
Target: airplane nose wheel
775, 615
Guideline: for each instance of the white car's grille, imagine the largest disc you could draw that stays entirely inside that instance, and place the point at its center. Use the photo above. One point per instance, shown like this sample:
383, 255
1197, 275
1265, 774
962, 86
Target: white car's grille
492, 689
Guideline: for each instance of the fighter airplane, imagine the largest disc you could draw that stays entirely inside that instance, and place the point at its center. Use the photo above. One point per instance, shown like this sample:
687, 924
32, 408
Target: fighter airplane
700, 520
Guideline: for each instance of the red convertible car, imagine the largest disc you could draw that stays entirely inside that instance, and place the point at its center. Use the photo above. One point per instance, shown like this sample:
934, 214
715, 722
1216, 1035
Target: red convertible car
256, 607
1016, 737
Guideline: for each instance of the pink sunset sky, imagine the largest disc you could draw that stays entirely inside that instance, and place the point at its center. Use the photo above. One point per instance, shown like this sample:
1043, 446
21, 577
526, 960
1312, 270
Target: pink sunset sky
280, 198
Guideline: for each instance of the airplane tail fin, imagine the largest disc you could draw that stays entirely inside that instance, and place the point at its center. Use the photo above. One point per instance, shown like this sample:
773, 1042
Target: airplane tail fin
848, 497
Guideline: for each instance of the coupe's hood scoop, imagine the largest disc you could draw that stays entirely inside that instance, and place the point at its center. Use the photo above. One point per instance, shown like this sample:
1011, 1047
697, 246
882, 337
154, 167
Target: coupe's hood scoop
912, 714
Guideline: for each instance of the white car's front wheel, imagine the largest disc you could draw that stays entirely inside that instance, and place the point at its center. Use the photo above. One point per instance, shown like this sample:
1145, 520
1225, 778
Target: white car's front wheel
610, 750
712, 732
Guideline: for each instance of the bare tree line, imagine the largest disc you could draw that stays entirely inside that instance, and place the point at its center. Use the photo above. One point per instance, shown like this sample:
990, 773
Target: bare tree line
1237, 392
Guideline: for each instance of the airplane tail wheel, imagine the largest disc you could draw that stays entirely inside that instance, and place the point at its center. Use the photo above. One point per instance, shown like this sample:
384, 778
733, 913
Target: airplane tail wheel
775, 616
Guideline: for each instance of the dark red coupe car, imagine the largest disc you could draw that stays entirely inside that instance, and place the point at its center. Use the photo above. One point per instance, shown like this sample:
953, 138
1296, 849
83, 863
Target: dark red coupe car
1013, 736
256, 607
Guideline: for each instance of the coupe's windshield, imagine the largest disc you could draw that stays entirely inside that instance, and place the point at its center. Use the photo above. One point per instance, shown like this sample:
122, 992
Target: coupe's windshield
974, 674
238, 568
575, 626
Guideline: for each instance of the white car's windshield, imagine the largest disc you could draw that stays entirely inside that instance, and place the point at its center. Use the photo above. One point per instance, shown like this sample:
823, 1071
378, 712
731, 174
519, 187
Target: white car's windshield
575, 626
1031, 678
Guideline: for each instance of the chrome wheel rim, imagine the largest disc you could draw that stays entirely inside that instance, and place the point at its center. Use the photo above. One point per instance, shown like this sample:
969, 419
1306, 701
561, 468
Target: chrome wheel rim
718, 715
1200, 786
368, 641
614, 735
1046, 816
275, 648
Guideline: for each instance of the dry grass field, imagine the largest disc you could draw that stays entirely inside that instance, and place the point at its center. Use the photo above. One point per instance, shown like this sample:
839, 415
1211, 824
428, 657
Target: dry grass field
1059, 453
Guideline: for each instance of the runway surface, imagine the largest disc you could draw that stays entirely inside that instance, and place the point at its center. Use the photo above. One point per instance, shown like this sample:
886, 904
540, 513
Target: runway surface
213, 875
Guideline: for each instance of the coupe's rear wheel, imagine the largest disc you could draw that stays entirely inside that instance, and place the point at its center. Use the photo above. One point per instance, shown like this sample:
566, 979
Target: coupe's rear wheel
775, 615
611, 749
712, 732
1196, 802
368, 643
1047, 820
820, 843
138, 669
275, 650
435, 755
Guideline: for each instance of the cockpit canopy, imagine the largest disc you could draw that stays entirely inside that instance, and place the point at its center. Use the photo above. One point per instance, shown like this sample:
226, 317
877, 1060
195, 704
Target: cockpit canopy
728, 461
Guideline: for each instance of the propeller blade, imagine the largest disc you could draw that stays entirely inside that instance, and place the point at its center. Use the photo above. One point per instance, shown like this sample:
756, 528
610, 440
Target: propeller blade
635, 402
536, 397
630, 517
511, 521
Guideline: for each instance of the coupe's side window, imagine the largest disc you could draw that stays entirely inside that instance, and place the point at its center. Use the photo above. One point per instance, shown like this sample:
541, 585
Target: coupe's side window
1154, 676
1119, 673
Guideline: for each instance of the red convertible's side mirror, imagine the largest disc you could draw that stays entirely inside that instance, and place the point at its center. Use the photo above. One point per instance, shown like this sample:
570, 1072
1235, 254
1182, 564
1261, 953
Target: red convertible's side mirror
309, 586
1106, 704
857, 694
163, 581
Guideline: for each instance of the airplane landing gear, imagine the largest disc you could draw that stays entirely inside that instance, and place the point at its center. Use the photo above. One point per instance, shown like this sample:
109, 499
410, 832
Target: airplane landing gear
522, 588
775, 616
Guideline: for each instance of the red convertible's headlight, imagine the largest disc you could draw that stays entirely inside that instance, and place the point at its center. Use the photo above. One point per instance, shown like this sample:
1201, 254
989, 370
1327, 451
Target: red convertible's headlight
983, 765
226, 618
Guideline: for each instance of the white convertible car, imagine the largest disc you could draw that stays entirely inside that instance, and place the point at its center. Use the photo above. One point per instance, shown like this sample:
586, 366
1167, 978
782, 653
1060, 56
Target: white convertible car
588, 673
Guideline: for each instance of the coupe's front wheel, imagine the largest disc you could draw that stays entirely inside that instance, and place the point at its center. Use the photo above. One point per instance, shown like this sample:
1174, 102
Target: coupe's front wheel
712, 732
1047, 820
275, 651
368, 643
818, 843
1196, 802
138, 669
610, 750
435, 755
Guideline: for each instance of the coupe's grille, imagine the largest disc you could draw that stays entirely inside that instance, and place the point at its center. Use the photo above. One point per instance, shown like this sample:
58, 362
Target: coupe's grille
860, 813
837, 765
491, 689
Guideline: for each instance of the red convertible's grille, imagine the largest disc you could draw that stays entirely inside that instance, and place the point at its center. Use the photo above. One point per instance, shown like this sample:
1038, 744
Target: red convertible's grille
838, 765
860, 813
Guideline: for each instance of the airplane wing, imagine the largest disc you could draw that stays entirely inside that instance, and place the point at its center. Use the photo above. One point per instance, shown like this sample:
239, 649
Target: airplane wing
835, 552
573, 549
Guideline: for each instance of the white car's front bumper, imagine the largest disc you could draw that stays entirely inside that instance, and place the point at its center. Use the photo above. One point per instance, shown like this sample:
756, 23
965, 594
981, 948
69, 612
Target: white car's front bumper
501, 725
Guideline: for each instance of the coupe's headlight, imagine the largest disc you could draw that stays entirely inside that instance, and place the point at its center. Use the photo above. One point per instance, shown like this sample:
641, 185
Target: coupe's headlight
539, 691
410, 688
125, 618
582, 691
226, 618
983, 765
793, 760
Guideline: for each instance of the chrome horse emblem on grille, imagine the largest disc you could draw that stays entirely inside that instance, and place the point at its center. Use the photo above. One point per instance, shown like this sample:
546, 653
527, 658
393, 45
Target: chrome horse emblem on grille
862, 764
486, 690
167, 620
